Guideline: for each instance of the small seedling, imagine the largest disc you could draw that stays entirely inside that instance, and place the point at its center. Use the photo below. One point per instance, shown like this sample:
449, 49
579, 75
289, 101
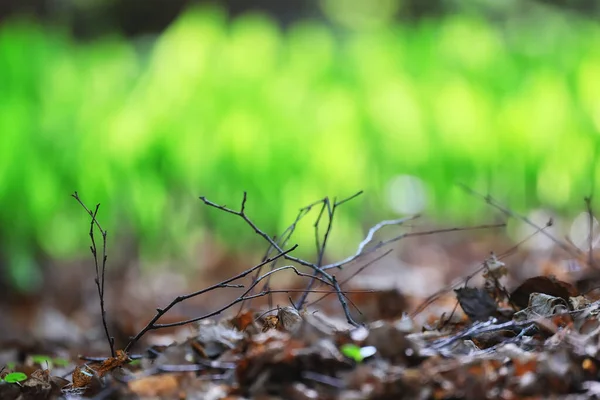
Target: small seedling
15, 377
357, 353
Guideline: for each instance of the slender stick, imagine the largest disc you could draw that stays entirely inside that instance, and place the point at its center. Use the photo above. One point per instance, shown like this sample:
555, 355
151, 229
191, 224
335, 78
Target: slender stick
152, 325
320, 247
358, 271
435, 296
588, 205
317, 269
506, 211
361, 251
100, 270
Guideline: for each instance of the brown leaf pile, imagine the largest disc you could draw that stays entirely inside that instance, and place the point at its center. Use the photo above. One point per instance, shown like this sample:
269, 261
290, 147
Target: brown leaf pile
538, 340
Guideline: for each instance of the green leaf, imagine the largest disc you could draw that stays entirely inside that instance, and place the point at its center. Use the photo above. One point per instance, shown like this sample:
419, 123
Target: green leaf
14, 377
352, 351
60, 362
41, 359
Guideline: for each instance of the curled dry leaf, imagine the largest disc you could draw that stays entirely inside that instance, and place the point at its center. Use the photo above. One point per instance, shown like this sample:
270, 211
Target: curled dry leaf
379, 304
289, 319
270, 322
542, 305
155, 386
542, 284
84, 375
476, 303
217, 337
242, 320
41, 383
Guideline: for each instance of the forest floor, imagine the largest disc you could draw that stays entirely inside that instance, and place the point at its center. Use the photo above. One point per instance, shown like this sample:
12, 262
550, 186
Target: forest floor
430, 316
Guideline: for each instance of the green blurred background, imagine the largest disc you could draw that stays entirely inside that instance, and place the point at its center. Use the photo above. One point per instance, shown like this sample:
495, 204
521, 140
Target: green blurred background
144, 106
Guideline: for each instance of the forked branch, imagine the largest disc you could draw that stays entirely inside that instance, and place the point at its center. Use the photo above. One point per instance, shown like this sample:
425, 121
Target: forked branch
275, 245
153, 325
100, 268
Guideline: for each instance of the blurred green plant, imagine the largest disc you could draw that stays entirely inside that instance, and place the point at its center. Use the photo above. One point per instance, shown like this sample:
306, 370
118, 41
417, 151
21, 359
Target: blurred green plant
15, 377
214, 108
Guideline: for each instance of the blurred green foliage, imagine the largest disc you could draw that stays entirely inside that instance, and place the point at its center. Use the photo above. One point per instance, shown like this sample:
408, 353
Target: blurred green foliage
214, 108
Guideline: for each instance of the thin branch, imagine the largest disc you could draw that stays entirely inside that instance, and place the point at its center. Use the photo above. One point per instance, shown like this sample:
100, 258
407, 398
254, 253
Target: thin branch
100, 270
588, 206
313, 278
317, 269
238, 300
152, 325
482, 327
257, 230
319, 247
282, 242
358, 271
506, 211
361, 252
347, 199
435, 296
325, 202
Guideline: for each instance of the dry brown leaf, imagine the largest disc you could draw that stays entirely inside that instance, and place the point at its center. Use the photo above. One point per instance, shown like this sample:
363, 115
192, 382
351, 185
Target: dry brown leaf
270, 322
243, 320
542, 284
83, 376
155, 386
289, 319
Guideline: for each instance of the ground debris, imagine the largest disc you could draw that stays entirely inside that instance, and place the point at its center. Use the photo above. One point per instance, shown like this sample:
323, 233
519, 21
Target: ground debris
538, 340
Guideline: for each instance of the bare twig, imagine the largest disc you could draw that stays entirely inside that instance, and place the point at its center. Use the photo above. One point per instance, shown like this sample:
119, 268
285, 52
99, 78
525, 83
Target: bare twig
588, 206
152, 325
300, 261
236, 301
358, 271
320, 247
435, 296
257, 230
100, 270
361, 247
482, 327
506, 211
361, 251
289, 231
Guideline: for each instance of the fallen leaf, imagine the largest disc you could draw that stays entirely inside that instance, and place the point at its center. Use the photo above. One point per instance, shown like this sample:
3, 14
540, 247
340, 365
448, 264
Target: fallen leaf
477, 304
155, 386
542, 284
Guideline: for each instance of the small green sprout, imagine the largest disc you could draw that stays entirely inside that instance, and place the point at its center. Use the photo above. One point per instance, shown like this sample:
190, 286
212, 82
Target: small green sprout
352, 351
15, 377
357, 353
60, 362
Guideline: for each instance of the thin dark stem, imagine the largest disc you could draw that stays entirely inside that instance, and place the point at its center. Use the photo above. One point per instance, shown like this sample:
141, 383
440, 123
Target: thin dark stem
152, 325
100, 270
588, 205
257, 274
320, 247
234, 302
282, 242
358, 271
347, 199
361, 252
257, 230
506, 211
317, 269
435, 296
479, 328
